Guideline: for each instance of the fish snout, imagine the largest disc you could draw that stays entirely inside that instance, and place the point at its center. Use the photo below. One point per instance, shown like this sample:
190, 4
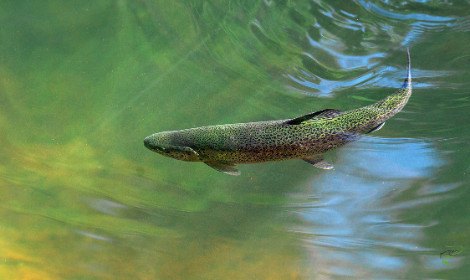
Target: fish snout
148, 142
154, 144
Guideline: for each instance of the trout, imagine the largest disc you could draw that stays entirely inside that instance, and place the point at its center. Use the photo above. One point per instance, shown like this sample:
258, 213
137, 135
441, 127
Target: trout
306, 137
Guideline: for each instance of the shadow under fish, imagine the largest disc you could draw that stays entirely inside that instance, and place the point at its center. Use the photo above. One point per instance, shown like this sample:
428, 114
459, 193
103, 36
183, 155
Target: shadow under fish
306, 137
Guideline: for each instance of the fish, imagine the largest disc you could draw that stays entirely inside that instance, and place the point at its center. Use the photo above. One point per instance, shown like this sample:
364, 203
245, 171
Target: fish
306, 137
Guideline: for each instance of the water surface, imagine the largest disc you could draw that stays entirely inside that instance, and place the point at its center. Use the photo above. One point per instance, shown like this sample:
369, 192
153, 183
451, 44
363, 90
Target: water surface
81, 85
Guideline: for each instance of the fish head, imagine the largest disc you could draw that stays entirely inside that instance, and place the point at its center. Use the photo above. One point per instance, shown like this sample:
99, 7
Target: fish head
165, 143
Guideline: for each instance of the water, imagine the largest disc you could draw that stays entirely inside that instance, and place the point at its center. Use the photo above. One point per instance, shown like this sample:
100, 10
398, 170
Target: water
81, 85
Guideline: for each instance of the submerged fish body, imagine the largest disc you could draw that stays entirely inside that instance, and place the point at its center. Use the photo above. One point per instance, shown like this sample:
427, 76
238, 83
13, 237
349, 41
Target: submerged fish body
307, 137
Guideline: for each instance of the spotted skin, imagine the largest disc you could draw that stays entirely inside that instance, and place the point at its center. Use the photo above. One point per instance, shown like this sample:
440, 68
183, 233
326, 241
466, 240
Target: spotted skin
306, 137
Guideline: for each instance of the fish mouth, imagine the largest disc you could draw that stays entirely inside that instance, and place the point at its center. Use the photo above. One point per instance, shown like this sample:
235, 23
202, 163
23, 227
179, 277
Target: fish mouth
149, 145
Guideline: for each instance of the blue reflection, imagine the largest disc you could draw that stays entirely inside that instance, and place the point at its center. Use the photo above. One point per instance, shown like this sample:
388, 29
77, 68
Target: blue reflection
335, 35
397, 158
348, 61
358, 225
376, 9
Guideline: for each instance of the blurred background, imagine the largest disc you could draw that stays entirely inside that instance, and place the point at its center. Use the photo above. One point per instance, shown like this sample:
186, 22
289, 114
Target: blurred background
83, 82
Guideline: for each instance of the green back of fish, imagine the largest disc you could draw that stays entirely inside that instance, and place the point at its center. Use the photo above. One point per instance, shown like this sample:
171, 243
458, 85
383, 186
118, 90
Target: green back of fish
302, 137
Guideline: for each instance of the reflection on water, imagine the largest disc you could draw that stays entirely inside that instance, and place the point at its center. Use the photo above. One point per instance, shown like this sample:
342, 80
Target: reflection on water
361, 222
82, 83
330, 60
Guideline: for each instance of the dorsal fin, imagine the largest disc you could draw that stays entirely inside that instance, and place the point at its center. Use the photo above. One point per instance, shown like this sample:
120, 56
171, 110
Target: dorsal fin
327, 113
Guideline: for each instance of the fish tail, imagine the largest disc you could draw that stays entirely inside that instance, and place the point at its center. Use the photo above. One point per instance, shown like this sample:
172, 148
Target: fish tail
407, 82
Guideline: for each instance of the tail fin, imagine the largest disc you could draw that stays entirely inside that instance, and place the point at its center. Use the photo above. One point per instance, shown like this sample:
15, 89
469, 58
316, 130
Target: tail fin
407, 83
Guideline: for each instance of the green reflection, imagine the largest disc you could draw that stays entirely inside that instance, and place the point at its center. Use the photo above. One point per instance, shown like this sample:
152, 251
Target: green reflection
82, 83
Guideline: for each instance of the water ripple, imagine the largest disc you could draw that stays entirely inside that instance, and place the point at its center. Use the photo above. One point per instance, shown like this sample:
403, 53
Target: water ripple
348, 46
366, 224
390, 14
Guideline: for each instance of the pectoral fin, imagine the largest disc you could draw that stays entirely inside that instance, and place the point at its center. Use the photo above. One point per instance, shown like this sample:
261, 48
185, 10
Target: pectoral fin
189, 152
318, 162
224, 167
377, 127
